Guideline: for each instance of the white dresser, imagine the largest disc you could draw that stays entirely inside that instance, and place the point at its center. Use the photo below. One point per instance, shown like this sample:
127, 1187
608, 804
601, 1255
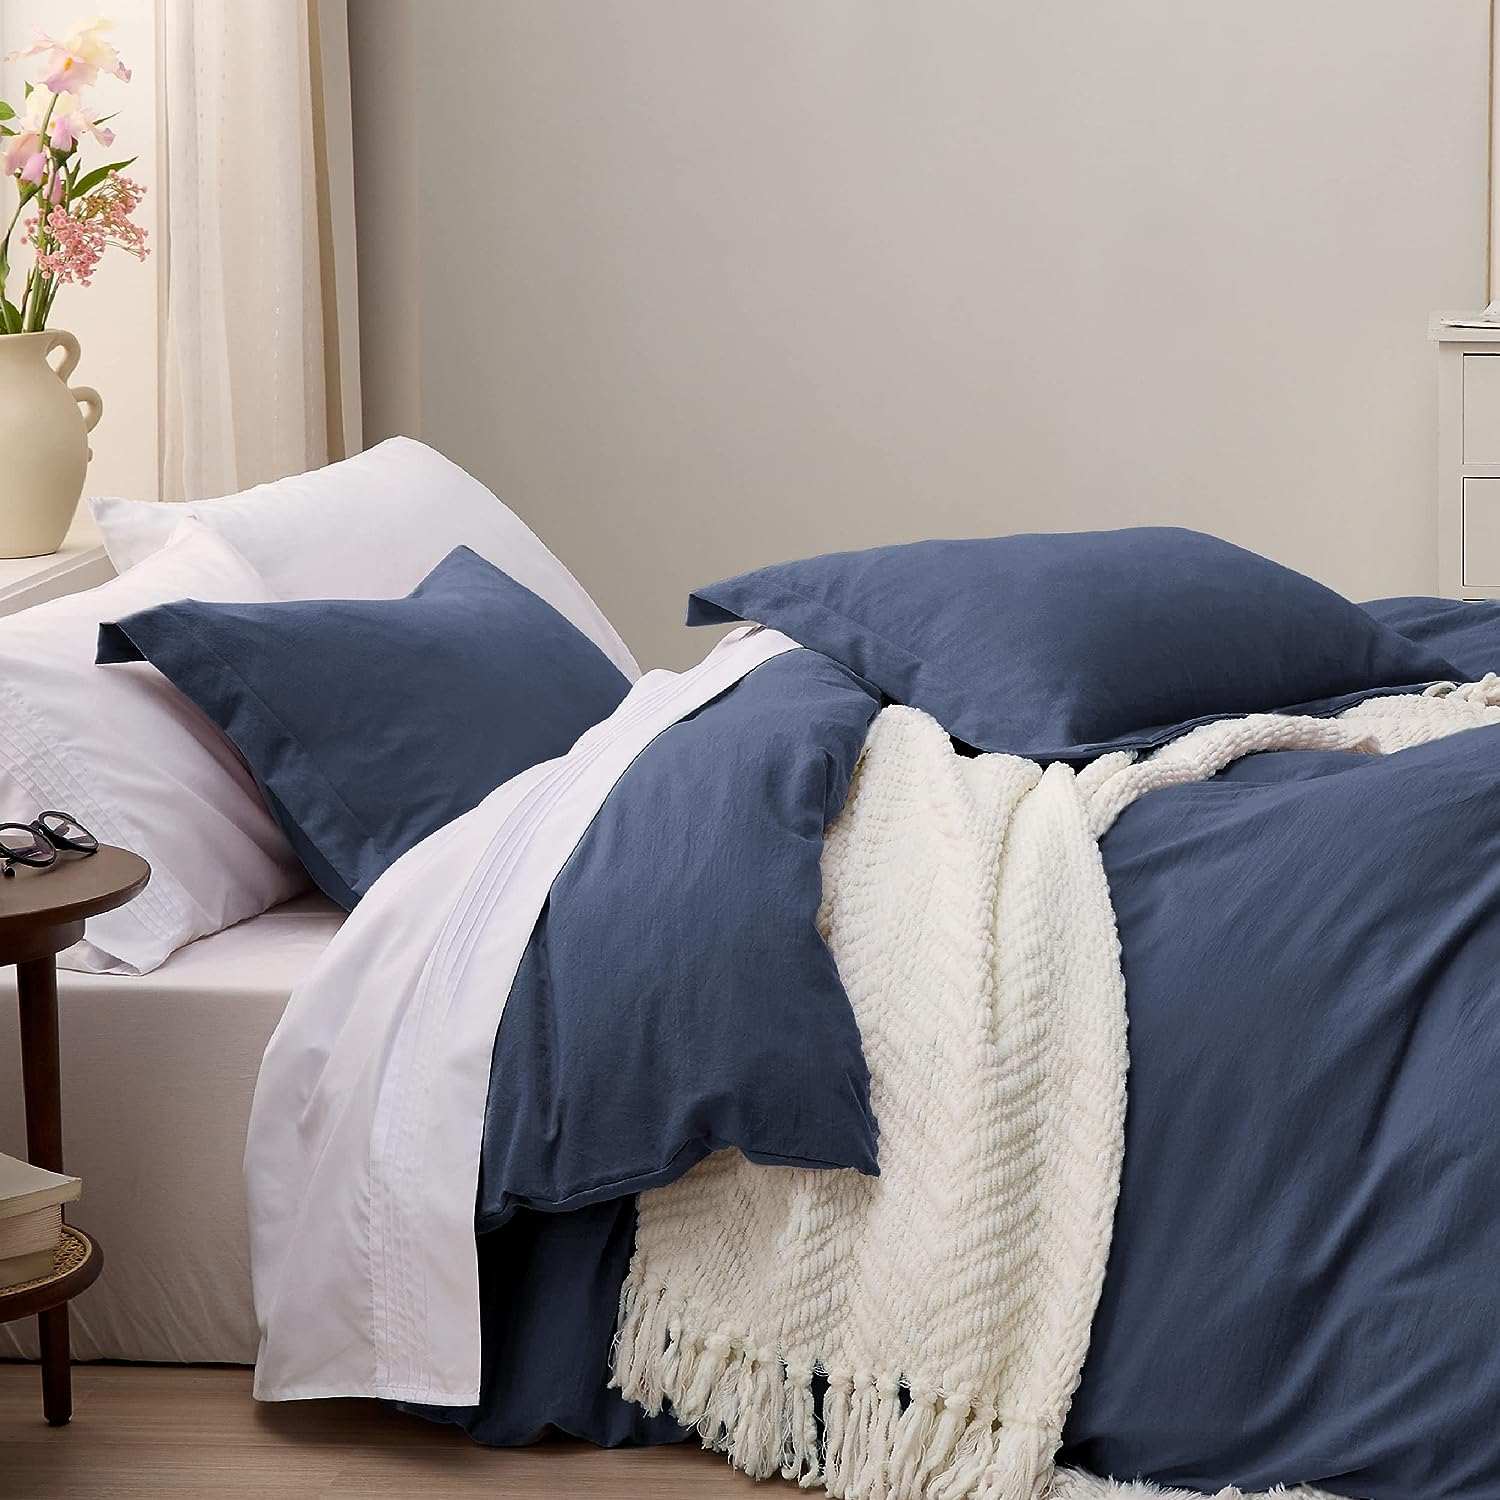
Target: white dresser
1468, 459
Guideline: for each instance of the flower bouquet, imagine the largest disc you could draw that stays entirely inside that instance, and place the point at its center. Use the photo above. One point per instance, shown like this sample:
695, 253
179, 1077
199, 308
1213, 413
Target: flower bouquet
75, 214
66, 215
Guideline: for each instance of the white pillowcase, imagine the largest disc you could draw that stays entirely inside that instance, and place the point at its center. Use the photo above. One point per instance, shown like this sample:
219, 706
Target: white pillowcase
132, 759
371, 527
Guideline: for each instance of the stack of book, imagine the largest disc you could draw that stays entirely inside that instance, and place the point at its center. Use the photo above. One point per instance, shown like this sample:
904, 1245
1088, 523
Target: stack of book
31, 1201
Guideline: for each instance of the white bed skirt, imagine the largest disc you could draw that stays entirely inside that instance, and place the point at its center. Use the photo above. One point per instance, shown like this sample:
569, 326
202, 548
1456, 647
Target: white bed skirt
157, 1076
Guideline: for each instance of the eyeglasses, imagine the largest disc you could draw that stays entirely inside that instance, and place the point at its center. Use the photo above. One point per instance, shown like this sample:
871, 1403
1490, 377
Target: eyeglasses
38, 844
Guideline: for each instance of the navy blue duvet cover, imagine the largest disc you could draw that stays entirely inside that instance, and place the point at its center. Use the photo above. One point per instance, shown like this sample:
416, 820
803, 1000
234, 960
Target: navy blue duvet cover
675, 998
1303, 1283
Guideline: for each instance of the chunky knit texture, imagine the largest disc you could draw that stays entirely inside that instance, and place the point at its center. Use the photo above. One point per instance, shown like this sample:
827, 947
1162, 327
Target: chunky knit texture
1072, 1484
946, 1303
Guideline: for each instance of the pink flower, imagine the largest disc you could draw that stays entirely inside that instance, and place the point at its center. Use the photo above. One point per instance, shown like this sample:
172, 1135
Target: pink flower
76, 249
88, 226
77, 60
22, 149
72, 120
66, 121
19, 151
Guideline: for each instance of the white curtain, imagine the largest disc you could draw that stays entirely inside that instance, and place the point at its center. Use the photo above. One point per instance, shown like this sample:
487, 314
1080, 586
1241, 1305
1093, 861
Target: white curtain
259, 356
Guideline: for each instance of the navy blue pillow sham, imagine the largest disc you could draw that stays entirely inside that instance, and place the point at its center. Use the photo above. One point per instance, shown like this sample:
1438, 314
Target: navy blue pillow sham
1061, 645
1465, 631
370, 723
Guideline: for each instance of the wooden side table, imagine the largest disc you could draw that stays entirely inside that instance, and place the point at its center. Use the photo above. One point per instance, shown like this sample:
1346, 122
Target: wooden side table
41, 913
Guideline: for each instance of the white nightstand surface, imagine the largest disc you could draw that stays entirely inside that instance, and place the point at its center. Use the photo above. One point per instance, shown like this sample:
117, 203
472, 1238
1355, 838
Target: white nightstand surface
79, 564
1446, 333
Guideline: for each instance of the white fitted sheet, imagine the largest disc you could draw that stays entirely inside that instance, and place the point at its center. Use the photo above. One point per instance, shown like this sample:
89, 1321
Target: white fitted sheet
157, 1076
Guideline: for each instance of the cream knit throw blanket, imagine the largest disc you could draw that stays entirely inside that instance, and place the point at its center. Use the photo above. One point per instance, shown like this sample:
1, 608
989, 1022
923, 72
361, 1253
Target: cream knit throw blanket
947, 1302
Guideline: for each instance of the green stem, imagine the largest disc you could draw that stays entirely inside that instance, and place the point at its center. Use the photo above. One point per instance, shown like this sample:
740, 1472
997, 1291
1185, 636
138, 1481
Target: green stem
31, 308
10, 229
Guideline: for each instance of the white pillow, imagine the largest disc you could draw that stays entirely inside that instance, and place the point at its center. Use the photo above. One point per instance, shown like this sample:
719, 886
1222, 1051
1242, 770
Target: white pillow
371, 527
137, 764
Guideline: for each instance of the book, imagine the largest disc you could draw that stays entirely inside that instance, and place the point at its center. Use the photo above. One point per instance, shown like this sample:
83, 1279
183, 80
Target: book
31, 1200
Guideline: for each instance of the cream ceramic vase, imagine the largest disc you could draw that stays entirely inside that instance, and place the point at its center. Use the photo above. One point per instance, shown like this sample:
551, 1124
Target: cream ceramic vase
44, 445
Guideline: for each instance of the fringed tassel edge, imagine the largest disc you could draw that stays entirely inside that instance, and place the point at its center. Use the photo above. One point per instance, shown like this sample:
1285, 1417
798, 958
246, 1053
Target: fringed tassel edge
751, 1406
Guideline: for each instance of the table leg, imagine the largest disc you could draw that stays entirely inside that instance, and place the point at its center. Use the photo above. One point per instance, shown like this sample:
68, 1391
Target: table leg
57, 1366
36, 989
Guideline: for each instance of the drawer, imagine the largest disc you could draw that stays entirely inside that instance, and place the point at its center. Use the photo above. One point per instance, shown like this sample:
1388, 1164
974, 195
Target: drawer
1482, 408
1482, 533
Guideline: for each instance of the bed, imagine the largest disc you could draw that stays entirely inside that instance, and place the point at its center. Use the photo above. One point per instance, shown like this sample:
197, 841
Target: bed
830, 1053
157, 1078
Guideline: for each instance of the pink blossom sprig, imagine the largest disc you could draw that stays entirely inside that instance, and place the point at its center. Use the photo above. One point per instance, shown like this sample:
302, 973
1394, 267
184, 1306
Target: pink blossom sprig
76, 215
81, 231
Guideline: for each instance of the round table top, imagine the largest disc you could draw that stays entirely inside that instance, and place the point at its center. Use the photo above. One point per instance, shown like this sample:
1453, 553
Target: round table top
68, 891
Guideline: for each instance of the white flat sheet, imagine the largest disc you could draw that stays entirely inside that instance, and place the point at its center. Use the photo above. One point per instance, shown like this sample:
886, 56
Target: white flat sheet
158, 1071
363, 1158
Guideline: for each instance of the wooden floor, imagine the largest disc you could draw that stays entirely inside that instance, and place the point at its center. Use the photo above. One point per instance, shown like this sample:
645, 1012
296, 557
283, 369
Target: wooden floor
176, 1431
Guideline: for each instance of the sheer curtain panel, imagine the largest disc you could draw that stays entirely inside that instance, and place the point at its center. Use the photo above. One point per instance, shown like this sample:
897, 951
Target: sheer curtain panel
259, 356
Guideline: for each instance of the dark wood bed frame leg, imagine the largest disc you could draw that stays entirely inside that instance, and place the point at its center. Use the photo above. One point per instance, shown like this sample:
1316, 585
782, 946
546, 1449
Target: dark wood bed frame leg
41, 1078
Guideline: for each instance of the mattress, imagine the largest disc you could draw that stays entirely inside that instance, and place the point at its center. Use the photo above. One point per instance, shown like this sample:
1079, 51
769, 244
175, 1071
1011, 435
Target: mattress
157, 1075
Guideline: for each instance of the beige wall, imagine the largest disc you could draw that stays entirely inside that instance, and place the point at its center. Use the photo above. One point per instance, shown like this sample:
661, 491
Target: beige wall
698, 284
